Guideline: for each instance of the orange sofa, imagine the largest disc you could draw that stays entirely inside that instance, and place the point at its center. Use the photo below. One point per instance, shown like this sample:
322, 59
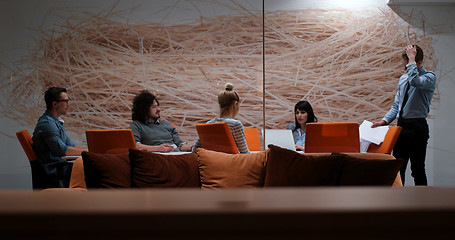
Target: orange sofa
275, 167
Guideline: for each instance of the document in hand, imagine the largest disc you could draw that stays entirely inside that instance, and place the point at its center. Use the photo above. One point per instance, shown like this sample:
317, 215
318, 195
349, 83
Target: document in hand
375, 135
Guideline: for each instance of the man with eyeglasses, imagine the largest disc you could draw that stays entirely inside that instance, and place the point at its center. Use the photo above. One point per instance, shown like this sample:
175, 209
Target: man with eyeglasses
50, 141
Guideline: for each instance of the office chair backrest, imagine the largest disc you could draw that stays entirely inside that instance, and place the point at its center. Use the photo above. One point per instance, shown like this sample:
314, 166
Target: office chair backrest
389, 142
40, 179
252, 139
332, 137
217, 137
110, 141
26, 142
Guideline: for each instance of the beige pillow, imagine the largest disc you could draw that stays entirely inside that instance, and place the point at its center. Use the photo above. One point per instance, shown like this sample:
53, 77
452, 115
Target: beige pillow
77, 175
222, 170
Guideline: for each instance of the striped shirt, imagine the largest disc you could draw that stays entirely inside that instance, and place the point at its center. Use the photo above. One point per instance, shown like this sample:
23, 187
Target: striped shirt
236, 128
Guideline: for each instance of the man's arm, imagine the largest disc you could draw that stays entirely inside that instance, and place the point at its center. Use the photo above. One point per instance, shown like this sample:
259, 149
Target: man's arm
183, 146
137, 137
391, 114
158, 148
426, 81
380, 123
134, 126
75, 151
176, 138
51, 135
186, 147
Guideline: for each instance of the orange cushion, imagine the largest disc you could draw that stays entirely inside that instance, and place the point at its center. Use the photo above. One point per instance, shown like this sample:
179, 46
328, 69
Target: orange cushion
222, 170
77, 175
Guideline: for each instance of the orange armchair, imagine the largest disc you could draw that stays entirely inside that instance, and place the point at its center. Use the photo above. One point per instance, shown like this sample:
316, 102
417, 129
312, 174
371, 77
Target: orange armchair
110, 141
40, 179
38, 173
217, 137
332, 137
389, 142
252, 139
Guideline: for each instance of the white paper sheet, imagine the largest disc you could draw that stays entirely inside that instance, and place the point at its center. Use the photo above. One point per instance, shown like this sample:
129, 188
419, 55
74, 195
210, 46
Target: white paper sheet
375, 135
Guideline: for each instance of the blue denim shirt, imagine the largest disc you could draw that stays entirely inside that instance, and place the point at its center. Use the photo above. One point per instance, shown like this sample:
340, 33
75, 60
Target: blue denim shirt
50, 142
420, 93
299, 138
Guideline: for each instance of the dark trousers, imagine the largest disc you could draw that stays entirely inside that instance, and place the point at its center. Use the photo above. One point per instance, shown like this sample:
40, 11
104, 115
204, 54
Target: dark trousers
411, 146
61, 178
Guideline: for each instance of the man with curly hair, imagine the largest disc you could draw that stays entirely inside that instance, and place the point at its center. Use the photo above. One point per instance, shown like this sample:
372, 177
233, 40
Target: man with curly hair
151, 133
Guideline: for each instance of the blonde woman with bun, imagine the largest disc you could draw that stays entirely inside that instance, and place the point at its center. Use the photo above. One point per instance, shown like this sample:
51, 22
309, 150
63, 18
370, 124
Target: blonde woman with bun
229, 103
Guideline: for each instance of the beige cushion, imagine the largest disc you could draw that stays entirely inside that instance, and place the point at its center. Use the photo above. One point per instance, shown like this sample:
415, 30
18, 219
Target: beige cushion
77, 180
222, 170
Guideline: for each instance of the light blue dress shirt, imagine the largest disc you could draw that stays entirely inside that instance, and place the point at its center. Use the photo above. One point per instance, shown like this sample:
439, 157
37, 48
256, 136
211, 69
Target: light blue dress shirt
301, 138
420, 93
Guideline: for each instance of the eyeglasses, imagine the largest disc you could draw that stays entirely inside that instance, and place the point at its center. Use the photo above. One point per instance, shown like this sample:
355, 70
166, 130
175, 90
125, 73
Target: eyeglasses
63, 100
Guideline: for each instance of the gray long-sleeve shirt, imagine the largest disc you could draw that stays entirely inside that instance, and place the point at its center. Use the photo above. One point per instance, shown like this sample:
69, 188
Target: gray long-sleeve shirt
160, 132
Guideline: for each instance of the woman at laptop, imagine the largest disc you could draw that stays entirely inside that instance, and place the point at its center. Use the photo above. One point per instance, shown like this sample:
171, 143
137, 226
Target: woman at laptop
303, 113
229, 102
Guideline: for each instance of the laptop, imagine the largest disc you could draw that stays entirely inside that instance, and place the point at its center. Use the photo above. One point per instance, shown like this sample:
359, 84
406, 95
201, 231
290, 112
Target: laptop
279, 137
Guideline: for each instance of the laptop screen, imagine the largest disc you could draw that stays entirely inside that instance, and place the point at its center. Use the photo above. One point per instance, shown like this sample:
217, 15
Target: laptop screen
279, 137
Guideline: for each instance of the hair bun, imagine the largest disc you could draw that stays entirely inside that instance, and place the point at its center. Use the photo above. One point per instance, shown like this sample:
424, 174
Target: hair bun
229, 86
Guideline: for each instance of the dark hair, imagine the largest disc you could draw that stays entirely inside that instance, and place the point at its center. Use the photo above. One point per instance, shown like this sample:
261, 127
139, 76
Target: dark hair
141, 106
304, 106
51, 95
419, 55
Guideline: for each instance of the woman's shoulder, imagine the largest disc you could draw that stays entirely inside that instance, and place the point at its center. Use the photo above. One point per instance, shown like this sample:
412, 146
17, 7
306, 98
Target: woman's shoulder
228, 120
233, 121
213, 120
291, 126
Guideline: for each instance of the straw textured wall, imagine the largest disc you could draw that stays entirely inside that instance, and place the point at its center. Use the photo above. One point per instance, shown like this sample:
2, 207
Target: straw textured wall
346, 65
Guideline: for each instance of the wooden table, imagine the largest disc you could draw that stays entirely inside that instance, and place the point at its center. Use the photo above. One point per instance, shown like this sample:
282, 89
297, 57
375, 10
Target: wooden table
273, 213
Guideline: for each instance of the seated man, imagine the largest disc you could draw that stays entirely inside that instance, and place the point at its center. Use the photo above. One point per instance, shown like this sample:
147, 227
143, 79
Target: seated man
150, 133
50, 141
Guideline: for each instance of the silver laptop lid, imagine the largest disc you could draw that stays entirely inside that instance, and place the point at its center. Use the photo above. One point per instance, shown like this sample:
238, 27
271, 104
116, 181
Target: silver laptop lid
279, 137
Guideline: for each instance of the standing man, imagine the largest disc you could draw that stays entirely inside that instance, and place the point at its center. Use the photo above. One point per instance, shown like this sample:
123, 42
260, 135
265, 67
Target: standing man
411, 107
50, 141
150, 133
